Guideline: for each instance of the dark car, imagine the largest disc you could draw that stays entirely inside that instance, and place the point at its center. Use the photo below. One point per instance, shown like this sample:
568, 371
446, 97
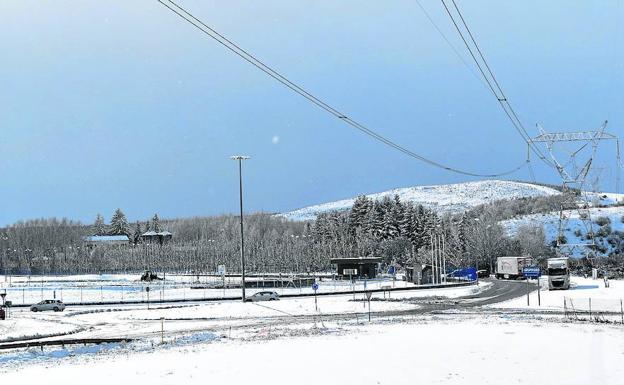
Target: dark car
483, 273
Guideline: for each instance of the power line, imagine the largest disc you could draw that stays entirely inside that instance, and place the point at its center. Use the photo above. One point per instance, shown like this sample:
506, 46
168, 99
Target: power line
448, 42
491, 80
233, 47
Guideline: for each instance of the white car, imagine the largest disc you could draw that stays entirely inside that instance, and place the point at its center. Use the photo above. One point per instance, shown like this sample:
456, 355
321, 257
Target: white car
263, 296
48, 304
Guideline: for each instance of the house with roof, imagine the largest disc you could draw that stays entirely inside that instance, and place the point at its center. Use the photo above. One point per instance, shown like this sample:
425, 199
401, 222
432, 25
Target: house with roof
99, 240
160, 237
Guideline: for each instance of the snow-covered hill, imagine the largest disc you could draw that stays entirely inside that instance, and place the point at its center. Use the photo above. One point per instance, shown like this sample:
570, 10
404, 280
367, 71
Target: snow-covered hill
442, 198
575, 231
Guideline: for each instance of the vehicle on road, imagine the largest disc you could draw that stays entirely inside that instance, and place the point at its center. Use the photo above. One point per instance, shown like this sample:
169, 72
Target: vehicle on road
558, 270
263, 296
511, 267
48, 304
483, 273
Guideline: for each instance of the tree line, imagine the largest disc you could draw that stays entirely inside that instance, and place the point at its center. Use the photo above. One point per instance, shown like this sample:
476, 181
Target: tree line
397, 232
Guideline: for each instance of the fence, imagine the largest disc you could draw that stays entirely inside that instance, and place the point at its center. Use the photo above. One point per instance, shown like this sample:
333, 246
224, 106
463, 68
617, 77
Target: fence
594, 309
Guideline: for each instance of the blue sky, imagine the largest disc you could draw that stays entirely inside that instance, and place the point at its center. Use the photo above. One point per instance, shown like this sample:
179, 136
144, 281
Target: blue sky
121, 104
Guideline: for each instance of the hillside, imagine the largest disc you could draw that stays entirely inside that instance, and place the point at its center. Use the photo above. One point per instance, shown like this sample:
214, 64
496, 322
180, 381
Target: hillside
444, 198
575, 232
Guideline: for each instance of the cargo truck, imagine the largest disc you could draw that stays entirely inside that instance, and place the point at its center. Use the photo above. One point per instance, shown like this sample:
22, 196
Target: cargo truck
511, 267
558, 271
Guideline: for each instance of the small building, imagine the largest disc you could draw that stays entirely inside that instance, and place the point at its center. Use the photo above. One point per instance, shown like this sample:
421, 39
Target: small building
156, 237
99, 240
357, 267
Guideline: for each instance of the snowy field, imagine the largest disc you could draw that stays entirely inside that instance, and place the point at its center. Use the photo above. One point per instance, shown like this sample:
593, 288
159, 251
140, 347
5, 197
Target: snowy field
442, 198
132, 320
124, 287
292, 340
584, 294
478, 350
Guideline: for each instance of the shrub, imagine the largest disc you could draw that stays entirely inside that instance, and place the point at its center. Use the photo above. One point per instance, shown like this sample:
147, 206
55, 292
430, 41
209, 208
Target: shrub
602, 221
604, 231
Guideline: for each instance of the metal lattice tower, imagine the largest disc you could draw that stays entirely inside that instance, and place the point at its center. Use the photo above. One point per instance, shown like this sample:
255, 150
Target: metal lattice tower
576, 199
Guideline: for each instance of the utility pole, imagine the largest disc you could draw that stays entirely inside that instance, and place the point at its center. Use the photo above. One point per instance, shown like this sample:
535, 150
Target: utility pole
240, 159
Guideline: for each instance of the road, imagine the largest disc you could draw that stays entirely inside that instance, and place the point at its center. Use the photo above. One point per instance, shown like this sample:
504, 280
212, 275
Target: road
135, 322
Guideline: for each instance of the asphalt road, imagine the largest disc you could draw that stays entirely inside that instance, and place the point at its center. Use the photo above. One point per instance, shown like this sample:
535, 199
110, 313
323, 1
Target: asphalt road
498, 291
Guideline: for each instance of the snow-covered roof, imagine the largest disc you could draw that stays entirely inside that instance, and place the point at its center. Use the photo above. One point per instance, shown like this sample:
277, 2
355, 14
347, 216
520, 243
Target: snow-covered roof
152, 233
107, 238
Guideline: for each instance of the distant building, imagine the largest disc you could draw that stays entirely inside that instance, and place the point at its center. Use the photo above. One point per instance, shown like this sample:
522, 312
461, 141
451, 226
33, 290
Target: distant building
154, 237
97, 240
356, 267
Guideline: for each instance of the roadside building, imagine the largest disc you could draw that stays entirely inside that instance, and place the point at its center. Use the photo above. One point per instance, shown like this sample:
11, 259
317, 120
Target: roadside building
160, 237
99, 240
357, 267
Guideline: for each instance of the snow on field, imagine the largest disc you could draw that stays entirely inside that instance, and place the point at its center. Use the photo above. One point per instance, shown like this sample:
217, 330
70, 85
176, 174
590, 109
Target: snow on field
481, 350
442, 198
550, 222
124, 287
17, 327
131, 320
577, 297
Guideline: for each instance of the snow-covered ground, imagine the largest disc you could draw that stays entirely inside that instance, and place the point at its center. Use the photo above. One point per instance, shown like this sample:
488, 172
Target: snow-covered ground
582, 290
126, 287
132, 320
442, 198
479, 350
550, 222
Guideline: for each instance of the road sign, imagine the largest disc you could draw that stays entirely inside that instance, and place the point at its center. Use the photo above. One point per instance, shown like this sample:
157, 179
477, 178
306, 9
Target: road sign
531, 272
369, 294
315, 286
349, 271
221, 269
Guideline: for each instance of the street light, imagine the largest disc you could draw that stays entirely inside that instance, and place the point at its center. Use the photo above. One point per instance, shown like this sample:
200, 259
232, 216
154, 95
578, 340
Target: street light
240, 159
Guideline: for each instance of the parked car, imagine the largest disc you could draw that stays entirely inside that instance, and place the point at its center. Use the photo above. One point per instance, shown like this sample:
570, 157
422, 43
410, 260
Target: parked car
48, 304
2, 314
483, 273
263, 296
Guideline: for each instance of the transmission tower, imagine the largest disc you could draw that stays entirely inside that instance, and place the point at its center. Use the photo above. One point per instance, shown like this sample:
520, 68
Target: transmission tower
576, 199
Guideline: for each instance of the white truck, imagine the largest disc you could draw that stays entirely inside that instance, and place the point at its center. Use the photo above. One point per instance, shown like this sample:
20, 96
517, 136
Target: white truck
558, 271
511, 267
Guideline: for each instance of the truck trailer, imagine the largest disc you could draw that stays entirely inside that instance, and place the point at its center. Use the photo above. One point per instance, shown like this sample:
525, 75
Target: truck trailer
511, 267
558, 271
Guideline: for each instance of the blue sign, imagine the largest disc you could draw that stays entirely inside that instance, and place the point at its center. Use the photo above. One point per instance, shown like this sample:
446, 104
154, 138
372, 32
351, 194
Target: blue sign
531, 272
391, 270
315, 286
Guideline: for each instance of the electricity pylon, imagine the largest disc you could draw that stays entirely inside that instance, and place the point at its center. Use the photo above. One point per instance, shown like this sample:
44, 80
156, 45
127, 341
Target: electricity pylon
576, 199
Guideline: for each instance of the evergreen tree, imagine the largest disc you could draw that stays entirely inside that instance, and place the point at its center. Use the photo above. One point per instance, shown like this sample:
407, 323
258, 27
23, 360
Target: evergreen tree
156, 223
359, 212
119, 224
137, 232
99, 227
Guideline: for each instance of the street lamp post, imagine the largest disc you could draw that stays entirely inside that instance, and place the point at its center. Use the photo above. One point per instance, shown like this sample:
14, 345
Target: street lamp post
240, 159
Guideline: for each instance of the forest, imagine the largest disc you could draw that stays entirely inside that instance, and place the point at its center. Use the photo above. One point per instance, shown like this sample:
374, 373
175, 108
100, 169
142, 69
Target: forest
398, 232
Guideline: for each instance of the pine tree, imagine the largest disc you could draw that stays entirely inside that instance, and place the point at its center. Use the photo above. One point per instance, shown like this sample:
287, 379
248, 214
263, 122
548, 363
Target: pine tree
119, 224
359, 211
156, 223
99, 227
137, 232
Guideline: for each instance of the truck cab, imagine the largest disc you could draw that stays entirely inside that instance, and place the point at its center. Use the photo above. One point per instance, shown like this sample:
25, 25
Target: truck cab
558, 271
